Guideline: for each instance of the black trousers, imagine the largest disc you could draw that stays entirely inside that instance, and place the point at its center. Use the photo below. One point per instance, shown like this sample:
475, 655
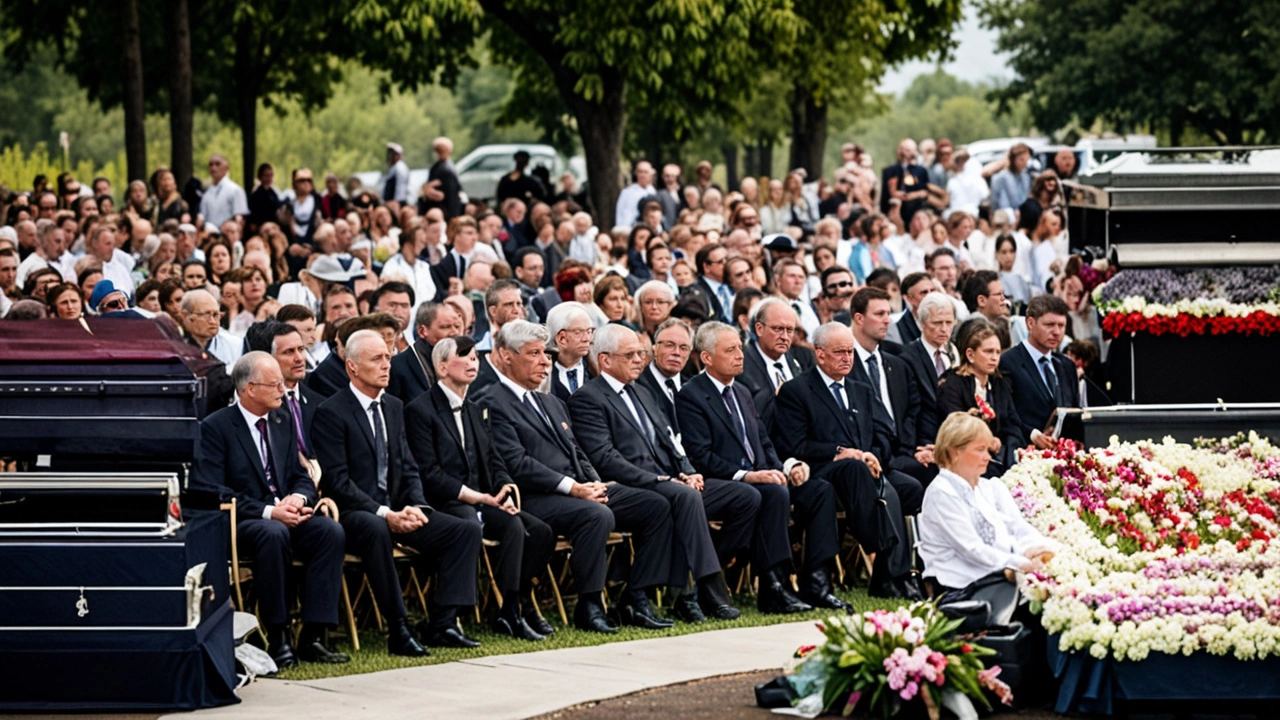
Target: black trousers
910, 480
692, 549
815, 514
587, 524
525, 544
320, 544
446, 545
873, 509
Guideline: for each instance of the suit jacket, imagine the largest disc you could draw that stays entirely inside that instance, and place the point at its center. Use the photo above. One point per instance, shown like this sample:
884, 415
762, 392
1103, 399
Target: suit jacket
537, 454
229, 459
918, 359
329, 377
755, 376
903, 399
659, 396
441, 272
559, 390
309, 402
344, 445
1031, 396
956, 394
717, 311
896, 171
481, 324
811, 426
617, 446
544, 301
708, 434
907, 330
485, 376
442, 462
411, 372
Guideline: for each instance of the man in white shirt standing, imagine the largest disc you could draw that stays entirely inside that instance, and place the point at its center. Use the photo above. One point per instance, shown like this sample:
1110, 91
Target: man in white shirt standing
115, 265
627, 211
224, 199
394, 183
50, 252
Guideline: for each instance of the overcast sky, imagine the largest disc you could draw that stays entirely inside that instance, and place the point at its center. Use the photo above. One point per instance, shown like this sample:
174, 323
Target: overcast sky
975, 59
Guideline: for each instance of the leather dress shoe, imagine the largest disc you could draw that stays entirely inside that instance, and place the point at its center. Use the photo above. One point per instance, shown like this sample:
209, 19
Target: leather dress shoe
282, 652
714, 598
316, 652
517, 628
776, 598
686, 609
905, 588
590, 616
817, 592
539, 624
634, 610
450, 637
400, 641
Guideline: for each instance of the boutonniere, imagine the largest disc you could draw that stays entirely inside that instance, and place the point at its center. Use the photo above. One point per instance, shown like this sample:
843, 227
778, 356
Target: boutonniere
564, 425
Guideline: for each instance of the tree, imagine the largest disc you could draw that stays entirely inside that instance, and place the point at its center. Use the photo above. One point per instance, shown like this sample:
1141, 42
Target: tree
177, 26
1139, 64
842, 51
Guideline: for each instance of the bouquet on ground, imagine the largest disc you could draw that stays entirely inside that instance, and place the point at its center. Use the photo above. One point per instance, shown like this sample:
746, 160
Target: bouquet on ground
885, 658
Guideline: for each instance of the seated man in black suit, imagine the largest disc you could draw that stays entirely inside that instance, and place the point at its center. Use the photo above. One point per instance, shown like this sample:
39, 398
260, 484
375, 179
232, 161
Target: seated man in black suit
929, 357
827, 419
412, 372
770, 360
713, 282
1043, 379
462, 234
672, 345
462, 476
571, 331
370, 472
628, 438
897, 402
285, 344
331, 376
725, 438
250, 449
558, 484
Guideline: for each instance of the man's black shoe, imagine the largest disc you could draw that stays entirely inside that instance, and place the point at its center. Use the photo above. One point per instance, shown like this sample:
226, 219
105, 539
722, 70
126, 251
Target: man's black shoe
590, 616
776, 598
400, 641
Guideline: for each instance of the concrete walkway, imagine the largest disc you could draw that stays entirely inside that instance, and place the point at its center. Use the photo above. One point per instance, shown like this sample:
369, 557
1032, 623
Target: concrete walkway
518, 686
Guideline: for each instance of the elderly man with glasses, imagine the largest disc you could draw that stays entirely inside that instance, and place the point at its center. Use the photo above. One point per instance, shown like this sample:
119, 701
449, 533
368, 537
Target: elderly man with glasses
200, 319
771, 359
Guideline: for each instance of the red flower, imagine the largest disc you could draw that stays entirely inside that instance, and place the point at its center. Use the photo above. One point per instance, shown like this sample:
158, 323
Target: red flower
1222, 521
966, 648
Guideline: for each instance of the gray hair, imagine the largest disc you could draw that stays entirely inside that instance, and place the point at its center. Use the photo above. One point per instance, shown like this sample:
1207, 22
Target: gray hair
708, 333
444, 350
248, 367
562, 316
608, 338
355, 345
932, 303
426, 315
190, 297
825, 333
518, 333
763, 307
655, 286
673, 322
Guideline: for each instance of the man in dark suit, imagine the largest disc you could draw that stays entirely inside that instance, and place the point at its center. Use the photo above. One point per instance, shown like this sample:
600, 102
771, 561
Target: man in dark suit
443, 188
905, 182
558, 484
897, 402
629, 439
1043, 379
284, 342
331, 376
770, 360
712, 284
827, 419
250, 450
411, 371
672, 345
370, 472
571, 331
914, 288
724, 438
929, 357
462, 476
462, 235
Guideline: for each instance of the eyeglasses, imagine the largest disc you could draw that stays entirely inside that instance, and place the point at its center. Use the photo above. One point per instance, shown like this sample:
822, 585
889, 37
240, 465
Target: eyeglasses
212, 315
669, 346
782, 329
579, 332
278, 385
655, 302
837, 285
633, 355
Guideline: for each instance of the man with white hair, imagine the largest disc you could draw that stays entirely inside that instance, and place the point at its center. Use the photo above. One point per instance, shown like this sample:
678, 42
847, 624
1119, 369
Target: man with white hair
929, 357
50, 251
571, 331
224, 199
369, 470
559, 485
627, 436
394, 183
443, 190
627, 211
201, 318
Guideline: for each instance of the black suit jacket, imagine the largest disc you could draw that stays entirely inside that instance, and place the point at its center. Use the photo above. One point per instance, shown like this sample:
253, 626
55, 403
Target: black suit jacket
441, 272
956, 394
908, 330
230, 459
903, 398
559, 390
717, 311
544, 301
616, 445
755, 376
442, 463
811, 426
408, 379
344, 446
485, 376
659, 395
917, 358
537, 454
708, 434
1031, 395
329, 377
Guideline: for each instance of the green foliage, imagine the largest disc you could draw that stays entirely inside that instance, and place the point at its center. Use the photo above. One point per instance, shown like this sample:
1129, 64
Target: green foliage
19, 168
1167, 64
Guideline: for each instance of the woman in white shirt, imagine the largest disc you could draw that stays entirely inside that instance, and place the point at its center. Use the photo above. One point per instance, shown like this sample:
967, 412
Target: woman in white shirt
971, 531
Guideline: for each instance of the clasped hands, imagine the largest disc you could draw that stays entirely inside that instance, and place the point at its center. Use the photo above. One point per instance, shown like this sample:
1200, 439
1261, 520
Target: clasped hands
872, 462
798, 475
292, 511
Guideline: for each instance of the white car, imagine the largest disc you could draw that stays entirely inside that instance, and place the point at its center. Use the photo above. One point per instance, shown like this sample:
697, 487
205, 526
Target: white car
480, 170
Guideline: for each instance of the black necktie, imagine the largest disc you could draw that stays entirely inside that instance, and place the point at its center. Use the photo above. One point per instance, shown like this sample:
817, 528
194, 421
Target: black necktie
379, 446
737, 423
873, 373
462, 267
780, 375
1050, 377
267, 467
573, 379
835, 390
671, 387
641, 416
528, 401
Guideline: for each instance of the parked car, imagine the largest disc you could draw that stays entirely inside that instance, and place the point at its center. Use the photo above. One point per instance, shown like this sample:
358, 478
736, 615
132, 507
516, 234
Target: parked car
480, 170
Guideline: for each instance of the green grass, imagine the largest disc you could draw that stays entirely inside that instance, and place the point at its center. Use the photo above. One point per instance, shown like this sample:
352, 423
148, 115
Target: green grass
373, 656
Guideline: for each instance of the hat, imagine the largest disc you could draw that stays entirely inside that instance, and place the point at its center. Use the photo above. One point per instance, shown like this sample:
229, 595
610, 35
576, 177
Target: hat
395, 148
9, 232
779, 242
328, 269
209, 228
101, 291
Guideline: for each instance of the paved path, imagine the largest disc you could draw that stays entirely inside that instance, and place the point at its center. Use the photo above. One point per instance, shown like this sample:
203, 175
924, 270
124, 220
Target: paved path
519, 686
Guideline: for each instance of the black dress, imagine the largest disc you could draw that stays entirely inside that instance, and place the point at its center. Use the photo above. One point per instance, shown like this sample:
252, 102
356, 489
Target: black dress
956, 393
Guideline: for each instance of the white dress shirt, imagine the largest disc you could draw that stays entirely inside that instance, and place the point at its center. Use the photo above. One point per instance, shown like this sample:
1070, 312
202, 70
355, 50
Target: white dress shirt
950, 544
715, 290
417, 273
786, 464
226, 347
455, 402
883, 390
366, 403
252, 421
566, 483
948, 358
774, 367
580, 369
662, 381
628, 205
223, 201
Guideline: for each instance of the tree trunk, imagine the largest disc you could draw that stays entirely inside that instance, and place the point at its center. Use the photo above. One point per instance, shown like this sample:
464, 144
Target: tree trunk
135, 112
178, 47
247, 101
601, 126
808, 132
766, 162
730, 152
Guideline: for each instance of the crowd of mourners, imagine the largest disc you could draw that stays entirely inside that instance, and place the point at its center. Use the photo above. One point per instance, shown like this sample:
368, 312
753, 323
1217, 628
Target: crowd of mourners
714, 371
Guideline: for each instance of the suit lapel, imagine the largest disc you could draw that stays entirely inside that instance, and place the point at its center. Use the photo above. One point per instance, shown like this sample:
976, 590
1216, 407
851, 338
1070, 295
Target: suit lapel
716, 402
361, 417
443, 409
828, 401
1029, 365
253, 453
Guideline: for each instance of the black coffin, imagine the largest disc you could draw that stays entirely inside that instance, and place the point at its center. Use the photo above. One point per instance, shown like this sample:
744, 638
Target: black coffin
1162, 369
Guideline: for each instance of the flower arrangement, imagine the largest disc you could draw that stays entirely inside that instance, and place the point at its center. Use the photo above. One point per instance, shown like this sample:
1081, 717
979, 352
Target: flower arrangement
1166, 547
890, 657
1191, 301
